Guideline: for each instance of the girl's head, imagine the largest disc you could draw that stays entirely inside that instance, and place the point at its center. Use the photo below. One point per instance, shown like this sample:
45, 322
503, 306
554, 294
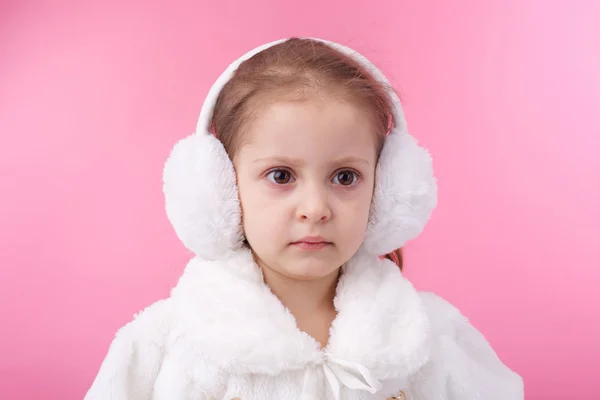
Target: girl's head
304, 126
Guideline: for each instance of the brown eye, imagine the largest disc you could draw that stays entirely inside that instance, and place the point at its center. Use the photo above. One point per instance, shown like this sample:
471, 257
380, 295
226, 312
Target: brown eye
346, 178
280, 176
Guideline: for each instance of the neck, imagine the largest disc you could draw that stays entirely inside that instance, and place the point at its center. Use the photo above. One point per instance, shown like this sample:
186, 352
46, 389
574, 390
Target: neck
302, 297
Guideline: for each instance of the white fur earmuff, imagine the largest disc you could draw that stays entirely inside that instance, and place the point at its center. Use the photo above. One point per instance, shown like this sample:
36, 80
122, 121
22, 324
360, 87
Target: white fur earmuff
201, 195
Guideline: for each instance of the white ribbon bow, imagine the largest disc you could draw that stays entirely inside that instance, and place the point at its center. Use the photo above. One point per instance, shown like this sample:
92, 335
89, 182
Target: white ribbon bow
338, 373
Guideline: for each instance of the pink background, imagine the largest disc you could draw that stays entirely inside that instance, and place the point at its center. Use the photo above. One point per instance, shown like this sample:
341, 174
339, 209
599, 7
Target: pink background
504, 93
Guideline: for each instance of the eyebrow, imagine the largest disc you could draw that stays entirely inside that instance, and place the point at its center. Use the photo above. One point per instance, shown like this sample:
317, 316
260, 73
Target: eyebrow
297, 162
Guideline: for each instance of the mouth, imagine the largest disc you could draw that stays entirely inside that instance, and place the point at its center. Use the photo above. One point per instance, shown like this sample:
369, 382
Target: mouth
312, 243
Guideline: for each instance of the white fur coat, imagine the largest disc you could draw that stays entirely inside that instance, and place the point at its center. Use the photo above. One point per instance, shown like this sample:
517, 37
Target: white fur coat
222, 334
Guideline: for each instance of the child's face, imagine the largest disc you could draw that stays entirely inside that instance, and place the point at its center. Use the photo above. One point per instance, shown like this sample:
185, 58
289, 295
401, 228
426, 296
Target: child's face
306, 169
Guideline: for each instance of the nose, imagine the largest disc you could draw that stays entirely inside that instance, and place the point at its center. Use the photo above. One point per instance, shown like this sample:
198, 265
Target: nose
314, 205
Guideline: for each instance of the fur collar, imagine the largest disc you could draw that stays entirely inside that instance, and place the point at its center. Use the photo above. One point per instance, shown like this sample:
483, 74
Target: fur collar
237, 324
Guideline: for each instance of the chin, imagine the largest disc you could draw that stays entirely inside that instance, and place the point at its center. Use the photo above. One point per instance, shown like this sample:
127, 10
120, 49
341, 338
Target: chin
311, 271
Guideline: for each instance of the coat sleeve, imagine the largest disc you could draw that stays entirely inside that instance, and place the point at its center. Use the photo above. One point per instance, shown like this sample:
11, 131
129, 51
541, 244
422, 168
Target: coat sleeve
134, 357
463, 365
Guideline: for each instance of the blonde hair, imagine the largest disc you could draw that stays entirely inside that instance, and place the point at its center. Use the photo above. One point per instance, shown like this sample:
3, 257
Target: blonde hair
295, 69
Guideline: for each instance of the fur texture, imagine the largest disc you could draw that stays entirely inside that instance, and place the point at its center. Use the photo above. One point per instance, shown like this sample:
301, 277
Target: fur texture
201, 197
223, 334
405, 194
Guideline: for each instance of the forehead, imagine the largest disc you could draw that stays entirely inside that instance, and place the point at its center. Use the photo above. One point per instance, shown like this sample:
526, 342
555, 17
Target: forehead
314, 129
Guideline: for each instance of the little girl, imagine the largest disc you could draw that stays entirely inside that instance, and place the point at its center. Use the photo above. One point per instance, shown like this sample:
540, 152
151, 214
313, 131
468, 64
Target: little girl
300, 176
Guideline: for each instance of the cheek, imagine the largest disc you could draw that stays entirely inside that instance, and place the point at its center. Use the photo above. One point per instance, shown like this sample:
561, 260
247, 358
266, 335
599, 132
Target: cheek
354, 211
259, 210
